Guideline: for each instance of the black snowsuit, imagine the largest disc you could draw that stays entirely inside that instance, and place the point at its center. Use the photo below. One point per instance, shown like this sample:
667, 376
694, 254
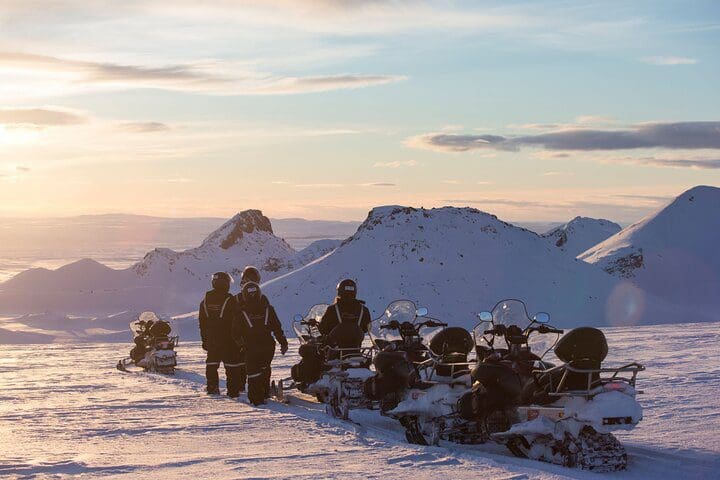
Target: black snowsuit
348, 310
216, 314
254, 326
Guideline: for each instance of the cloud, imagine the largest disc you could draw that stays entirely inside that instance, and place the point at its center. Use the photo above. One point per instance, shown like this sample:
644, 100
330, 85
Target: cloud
668, 61
396, 164
693, 163
144, 127
558, 174
209, 78
378, 184
39, 117
21, 168
680, 135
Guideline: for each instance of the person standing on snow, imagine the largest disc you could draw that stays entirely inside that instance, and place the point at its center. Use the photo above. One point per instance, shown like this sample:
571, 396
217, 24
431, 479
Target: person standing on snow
346, 309
216, 314
254, 325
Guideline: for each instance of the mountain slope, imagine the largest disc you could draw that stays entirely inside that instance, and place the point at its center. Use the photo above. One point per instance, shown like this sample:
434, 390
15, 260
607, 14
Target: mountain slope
455, 261
672, 254
581, 233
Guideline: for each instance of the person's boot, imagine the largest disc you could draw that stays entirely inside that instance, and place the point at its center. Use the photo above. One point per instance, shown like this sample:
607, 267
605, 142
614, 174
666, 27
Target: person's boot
213, 382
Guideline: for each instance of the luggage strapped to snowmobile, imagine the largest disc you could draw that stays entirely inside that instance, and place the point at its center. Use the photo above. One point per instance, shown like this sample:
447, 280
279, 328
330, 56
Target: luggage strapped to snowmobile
621, 376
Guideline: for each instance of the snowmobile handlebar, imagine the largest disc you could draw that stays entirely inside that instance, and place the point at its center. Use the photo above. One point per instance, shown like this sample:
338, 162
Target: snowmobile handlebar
395, 325
502, 330
546, 329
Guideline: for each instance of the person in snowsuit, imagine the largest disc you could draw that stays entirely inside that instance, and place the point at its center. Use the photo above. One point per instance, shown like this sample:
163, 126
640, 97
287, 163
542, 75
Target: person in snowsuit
216, 314
254, 325
346, 309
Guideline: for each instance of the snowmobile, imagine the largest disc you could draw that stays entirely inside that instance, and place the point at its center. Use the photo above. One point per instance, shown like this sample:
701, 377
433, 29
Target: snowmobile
427, 409
332, 368
560, 414
402, 358
154, 349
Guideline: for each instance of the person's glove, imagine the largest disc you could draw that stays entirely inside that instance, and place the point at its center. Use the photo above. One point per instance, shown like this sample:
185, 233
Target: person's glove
284, 348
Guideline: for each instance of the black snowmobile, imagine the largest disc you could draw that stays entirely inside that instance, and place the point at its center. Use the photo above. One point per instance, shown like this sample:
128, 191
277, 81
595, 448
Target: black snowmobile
154, 349
558, 414
438, 355
332, 368
402, 359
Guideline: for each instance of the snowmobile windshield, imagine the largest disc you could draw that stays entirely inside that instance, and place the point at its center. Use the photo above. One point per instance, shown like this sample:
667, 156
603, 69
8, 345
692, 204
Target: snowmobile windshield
306, 329
400, 311
511, 312
143, 323
506, 313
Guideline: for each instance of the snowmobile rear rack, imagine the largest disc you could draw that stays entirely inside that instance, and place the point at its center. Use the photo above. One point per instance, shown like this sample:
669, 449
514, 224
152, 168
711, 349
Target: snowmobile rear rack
596, 382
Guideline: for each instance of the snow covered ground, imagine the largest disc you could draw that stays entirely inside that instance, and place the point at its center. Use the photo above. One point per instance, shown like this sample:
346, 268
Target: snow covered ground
65, 411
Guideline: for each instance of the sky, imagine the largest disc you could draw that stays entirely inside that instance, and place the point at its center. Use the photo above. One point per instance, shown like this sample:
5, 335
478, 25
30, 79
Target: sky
322, 109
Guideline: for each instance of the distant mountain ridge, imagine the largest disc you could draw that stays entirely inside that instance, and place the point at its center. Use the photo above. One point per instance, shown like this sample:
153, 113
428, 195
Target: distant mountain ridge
581, 233
164, 279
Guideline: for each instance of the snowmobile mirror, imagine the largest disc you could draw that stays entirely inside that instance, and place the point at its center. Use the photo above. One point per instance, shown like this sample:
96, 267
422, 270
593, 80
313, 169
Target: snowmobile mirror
541, 317
421, 312
485, 316
297, 317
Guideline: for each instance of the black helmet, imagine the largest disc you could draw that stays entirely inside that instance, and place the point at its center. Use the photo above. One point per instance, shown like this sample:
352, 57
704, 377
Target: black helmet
250, 274
221, 281
251, 292
347, 289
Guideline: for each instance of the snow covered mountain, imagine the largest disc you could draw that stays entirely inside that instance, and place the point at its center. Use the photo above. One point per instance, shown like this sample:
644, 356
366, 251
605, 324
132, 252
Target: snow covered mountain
456, 262
672, 254
581, 233
245, 239
165, 280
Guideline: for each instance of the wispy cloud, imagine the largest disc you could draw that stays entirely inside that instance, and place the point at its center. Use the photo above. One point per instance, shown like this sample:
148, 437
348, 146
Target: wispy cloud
669, 61
39, 117
554, 173
693, 163
210, 78
378, 184
21, 168
144, 127
396, 164
680, 135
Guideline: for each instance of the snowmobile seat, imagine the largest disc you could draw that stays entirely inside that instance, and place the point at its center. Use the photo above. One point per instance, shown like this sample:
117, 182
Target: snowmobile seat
161, 328
452, 340
582, 348
452, 345
582, 343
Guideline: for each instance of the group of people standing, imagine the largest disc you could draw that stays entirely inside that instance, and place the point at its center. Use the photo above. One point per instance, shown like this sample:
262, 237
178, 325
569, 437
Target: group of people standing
241, 331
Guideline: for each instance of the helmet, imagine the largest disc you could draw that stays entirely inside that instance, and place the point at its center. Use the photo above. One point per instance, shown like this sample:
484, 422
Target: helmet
221, 281
347, 289
250, 274
251, 292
